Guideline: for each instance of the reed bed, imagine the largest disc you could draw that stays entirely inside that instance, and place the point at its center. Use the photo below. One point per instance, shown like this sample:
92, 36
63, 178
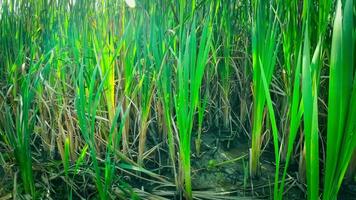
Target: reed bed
120, 99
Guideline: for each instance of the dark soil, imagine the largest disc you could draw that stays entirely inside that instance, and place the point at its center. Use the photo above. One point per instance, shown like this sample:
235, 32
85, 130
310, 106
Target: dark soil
222, 169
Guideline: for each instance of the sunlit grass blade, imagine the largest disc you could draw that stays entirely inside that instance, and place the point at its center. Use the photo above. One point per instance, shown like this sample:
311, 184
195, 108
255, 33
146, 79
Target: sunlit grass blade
264, 42
190, 71
274, 130
341, 131
310, 98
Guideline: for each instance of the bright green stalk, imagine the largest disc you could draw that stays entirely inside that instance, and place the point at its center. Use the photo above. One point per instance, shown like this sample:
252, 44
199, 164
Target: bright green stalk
264, 36
201, 111
274, 130
80, 158
341, 133
66, 159
106, 61
190, 71
310, 87
106, 53
310, 98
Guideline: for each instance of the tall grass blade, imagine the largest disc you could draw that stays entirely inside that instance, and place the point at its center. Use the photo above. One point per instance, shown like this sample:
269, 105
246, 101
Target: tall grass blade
341, 106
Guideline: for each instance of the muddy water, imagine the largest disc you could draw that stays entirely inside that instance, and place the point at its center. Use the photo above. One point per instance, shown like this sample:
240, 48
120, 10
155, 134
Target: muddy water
223, 167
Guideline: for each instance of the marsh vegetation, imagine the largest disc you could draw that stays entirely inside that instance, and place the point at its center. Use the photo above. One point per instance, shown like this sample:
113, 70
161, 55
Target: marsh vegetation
176, 99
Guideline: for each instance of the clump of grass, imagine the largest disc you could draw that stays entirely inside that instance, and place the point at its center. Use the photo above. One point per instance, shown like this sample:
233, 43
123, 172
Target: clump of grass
190, 70
87, 125
87, 103
311, 68
74, 69
159, 46
18, 124
264, 53
18, 128
342, 101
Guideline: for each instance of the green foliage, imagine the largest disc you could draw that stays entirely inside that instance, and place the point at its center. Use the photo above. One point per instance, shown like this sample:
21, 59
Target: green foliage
191, 64
264, 54
342, 93
95, 90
